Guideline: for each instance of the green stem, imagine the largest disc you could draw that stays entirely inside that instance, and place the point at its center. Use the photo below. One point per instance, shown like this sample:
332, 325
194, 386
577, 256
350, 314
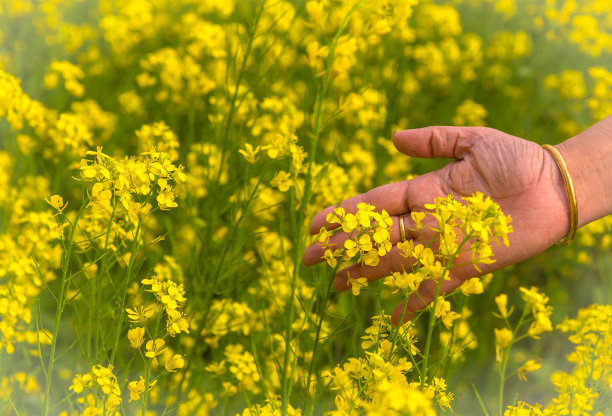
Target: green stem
502, 379
432, 314
482, 406
319, 324
145, 393
120, 314
64, 285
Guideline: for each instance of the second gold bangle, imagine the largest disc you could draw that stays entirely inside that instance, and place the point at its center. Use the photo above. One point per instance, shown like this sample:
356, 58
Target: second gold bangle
571, 194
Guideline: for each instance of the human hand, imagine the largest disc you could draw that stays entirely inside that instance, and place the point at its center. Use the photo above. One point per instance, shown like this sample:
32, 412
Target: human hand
517, 174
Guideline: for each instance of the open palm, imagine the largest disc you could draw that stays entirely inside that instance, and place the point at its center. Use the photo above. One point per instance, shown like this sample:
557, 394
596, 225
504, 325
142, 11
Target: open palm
517, 174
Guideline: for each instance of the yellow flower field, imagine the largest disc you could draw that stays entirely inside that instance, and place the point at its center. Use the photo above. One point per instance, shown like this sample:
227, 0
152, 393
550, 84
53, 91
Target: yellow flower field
161, 162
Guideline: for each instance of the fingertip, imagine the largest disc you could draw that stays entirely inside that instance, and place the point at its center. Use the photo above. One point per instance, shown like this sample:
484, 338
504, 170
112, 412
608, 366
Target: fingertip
309, 256
341, 283
397, 136
319, 220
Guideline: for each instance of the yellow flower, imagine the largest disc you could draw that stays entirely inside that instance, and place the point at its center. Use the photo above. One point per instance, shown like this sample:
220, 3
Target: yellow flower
136, 337
79, 382
155, 348
472, 286
140, 313
530, 365
349, 223
502, 305
250, 153
57, 202
357, 284
503, 338
282, 181
137, 388
418, 218
175, 363
330, 258
176, 322
442, 308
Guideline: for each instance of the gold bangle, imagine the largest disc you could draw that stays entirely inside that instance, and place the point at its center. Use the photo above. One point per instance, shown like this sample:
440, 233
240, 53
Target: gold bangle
571, 194
402, 229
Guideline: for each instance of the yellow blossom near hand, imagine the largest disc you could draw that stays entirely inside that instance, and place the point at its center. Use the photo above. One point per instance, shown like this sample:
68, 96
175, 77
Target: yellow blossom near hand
357, 284
349, 223
330, 257
472, 286
176, 362
136, 337
336, 216
351, 248
530, 365
418, 218
406, 248
442, 308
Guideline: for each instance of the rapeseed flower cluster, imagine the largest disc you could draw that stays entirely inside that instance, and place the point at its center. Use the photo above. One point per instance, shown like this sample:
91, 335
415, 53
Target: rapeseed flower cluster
103, 395
369, 235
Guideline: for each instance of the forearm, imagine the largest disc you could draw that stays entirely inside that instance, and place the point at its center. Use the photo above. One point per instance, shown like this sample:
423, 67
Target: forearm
588, 156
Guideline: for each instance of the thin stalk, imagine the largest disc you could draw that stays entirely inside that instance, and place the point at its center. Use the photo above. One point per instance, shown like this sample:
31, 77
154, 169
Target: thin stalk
319, 324
120, 314
9, 400
505, 355
145, 394
64, 284
432, 314
241, 72
502, 379
484, 409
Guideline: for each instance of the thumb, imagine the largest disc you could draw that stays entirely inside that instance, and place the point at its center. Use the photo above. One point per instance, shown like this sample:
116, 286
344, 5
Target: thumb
436, 141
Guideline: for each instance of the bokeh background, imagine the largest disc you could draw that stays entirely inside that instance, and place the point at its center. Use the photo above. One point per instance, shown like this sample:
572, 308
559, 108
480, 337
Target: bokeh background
274, 110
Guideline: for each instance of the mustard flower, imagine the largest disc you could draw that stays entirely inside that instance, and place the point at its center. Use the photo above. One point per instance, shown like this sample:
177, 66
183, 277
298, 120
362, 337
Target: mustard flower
530, 365
140, 313
136, 388
57, 202
250, 153
80, 381
503, 338
175, 363
155, 348
357, 284
502, 304
136, 337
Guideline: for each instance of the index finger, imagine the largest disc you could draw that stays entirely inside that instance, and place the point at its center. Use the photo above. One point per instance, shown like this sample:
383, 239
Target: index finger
396, 198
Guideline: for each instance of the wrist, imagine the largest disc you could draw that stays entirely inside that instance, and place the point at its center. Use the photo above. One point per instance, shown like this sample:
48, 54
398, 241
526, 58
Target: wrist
588, 157
570, 193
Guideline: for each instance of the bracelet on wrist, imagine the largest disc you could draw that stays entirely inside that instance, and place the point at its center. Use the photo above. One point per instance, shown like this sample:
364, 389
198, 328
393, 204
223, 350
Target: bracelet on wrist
571, 194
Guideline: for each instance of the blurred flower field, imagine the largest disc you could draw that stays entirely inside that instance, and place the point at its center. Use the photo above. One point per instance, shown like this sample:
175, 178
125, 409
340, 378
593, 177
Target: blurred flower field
161, 161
